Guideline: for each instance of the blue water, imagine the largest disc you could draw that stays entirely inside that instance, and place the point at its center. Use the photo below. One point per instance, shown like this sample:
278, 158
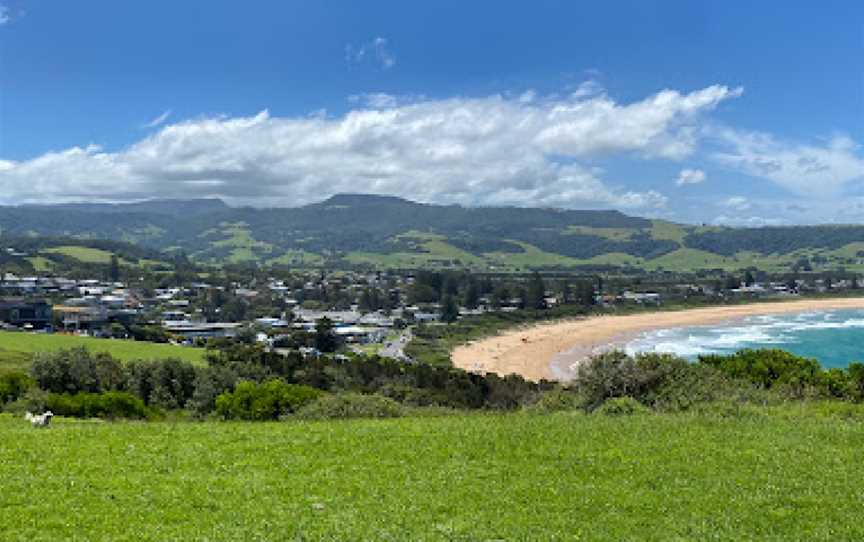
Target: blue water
833, 337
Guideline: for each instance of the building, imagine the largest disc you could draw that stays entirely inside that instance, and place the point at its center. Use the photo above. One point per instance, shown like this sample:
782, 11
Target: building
91, 318
25, 313
203, 330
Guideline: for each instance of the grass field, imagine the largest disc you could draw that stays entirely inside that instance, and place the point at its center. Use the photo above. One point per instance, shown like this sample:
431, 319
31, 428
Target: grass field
14, 344
481, 477
84, 254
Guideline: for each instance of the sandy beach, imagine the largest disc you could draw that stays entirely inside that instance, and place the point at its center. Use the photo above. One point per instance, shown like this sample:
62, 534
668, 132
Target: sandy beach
547, 350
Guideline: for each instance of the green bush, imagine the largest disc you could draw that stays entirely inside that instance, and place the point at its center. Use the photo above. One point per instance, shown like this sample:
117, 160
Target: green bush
351, 405
13, 386
266, 401
770, 367
111, 404
165, 383
76, 370
621, 406
556, 400
643, 377
210, 383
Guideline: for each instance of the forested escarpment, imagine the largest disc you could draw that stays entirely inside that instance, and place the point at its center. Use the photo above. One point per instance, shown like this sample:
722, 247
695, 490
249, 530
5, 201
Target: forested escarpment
348, 228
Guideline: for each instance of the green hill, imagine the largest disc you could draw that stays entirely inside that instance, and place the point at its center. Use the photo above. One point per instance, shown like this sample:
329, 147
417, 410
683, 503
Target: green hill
383, 231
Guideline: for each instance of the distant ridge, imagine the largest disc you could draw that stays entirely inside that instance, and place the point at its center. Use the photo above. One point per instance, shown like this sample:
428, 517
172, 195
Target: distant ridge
389, 231
159, 206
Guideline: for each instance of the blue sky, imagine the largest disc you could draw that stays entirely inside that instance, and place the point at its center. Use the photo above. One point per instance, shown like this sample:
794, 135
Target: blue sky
736, 112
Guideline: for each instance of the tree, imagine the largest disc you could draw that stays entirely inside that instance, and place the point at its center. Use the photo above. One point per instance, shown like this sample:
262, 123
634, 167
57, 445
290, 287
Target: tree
115, 268
566, 292
732, 282
325, 338
449, 310
536, 293
472, 295
500, 296
422, 293
584, 294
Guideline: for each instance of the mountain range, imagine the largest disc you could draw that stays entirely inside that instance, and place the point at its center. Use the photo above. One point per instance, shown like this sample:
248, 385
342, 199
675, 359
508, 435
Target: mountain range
390, 232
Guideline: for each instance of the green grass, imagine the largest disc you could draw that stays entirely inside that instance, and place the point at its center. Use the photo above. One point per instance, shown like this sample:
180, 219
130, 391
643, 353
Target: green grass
614, 234
479, 477
13, 360
244, 247
41, 264
661, 229
297, 258
84, 254
14, 344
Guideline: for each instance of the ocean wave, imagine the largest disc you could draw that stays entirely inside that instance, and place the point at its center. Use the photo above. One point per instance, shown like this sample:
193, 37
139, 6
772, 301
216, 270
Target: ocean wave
752, 332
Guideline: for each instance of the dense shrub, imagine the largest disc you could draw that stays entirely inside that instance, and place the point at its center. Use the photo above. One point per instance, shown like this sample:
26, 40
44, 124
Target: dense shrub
210, 383
855, 381
111, 404
621, 406
615, 374
351, 405
266, 401
769, 368
556, 400
76, 370
13, 386
166, 383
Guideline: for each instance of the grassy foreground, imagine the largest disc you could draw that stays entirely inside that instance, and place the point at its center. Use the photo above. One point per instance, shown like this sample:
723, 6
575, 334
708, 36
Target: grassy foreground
14, 344
481, 477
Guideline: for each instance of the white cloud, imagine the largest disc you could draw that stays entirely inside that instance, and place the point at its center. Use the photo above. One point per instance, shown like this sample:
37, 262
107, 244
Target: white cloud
808, 170
375, 50
690, 176
490, 150
748, 221
738, 203
158, 121
5, 18
659, 126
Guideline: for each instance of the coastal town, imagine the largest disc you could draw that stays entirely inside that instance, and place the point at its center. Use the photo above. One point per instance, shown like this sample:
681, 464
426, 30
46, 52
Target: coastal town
369, 312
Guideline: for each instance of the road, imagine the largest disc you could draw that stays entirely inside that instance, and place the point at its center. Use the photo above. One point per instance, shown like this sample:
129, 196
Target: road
396, 348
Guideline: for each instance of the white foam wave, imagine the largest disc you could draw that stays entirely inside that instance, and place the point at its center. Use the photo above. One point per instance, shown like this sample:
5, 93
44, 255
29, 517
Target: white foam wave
759, 330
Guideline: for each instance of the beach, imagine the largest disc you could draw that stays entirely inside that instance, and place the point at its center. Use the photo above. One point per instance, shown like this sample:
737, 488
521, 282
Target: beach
549, 350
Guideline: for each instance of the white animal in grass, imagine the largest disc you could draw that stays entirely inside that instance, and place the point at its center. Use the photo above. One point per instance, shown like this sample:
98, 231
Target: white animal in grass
39, 420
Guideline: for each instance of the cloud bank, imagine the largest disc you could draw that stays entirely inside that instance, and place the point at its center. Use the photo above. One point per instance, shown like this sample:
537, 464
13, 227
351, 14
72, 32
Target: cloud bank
492, 150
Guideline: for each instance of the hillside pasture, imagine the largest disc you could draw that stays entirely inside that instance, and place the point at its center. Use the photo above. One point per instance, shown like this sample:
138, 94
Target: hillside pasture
16, 346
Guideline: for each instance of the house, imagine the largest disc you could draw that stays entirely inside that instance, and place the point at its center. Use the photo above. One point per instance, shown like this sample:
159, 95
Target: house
193, 330
25, 313
360, 334
80, 316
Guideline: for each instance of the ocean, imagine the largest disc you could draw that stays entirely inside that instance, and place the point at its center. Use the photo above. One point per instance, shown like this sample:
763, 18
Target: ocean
834, 337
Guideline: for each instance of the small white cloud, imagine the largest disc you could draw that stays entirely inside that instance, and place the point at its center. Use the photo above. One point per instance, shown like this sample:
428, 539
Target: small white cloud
690, 176
588, 88
375, 51
158, 121
737, 203
5, 18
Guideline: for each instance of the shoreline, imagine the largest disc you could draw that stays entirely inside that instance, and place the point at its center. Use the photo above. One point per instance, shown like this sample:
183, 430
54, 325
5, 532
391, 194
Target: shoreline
548, 350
